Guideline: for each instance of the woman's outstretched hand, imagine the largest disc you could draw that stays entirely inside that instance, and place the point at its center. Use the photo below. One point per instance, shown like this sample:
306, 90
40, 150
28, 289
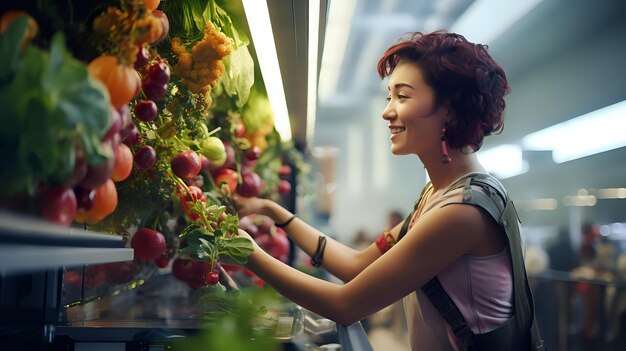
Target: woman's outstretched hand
241, 234
248, 205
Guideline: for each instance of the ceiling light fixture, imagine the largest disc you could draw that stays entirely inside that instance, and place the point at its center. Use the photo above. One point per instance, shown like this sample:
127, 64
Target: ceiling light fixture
258, 18
311, 101
336, 39
611, 193
503, 161
580, 201
486, 20
592, 133
542, 204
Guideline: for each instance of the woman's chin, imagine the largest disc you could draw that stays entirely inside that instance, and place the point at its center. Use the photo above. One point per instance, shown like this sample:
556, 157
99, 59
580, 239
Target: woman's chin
397, 151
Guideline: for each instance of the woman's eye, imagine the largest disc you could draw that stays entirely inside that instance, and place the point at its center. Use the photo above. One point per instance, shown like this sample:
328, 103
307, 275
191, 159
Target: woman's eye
388, 98
400, 96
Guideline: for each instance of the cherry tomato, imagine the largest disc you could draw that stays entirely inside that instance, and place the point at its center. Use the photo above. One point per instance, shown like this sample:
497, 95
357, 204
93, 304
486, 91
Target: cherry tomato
211, 278
229, 176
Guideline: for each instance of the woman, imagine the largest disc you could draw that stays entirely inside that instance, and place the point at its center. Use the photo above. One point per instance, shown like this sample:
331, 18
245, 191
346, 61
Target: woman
445, 95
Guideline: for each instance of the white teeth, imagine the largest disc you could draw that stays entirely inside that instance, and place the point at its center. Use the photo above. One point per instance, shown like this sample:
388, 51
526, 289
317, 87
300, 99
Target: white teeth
396, 130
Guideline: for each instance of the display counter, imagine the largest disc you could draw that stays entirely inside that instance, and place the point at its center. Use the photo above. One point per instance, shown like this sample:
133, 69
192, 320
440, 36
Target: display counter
51, 299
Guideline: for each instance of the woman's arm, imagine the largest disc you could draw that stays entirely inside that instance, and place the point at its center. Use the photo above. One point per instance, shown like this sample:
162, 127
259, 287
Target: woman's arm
340, 260
433, 243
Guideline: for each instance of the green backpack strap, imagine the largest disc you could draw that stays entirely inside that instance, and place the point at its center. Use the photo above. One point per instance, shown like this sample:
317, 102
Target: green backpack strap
492, 197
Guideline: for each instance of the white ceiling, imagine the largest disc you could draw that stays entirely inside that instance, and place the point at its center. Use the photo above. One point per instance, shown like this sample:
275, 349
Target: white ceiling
564, 58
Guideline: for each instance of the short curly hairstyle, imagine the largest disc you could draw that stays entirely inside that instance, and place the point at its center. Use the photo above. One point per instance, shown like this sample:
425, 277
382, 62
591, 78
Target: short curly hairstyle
461, 73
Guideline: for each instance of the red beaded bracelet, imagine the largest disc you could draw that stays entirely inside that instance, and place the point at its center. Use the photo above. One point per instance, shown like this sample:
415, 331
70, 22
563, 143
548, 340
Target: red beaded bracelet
385, 242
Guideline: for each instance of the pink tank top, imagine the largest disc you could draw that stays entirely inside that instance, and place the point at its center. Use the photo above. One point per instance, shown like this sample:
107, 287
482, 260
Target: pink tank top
480, 286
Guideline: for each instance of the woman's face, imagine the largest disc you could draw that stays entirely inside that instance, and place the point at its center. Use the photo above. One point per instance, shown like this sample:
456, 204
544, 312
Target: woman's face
414, 120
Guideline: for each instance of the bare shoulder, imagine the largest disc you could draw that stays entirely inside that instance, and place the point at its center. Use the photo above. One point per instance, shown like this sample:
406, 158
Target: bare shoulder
472, 223
465, 229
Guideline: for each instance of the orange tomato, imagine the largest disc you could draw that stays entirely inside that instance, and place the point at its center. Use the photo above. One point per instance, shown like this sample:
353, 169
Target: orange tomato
150, 4
122, 82
123, 163
104, 203
258, 139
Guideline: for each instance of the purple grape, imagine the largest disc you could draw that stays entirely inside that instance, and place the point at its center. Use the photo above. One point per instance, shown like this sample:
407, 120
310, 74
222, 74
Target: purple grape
142, 57
153, 90
145, 157
146, 110
159, 73
84, 198
130, 135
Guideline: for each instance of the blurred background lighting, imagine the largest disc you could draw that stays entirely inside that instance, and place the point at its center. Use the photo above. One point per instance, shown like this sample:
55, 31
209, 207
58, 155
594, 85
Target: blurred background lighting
612, 193
311, 104
338, 29
258, 18
546, 204
503, 161
501, 16
580, 201
592, 133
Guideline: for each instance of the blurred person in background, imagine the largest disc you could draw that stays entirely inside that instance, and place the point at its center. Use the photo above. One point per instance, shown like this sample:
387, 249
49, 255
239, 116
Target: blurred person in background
560, 253
597, 267
394, 218
361, 240
445, 95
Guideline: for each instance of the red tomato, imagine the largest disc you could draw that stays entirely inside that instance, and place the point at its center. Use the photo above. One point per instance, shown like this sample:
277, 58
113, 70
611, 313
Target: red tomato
187, 200
58, 205
278, 246
284, 187
229, 176
104, 203
123, 163
161, 261
182, 268
211, 278
186, 164
250, 185
149, 244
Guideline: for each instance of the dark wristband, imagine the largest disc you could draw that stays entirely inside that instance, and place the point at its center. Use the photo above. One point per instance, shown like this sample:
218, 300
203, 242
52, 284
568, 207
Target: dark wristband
318, 256
286, 223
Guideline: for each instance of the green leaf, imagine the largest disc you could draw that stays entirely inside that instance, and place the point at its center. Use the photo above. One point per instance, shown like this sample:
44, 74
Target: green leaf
238, 76
238, 249
10, 44
51, 106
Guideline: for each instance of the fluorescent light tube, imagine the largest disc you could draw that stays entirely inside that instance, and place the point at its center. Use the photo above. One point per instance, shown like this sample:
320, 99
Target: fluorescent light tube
336, 39
503, 161
258, 17
598, 131
311, 101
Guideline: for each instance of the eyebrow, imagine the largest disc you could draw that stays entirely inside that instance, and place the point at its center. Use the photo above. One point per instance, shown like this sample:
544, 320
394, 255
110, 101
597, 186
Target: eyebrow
401, 85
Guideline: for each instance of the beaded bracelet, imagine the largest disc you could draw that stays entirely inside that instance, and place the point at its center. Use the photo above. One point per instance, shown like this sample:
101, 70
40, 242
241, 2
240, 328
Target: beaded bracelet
318, 256
286, 223
385, 242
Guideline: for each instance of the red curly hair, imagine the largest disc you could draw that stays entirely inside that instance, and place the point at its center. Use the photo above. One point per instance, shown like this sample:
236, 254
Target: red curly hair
460, 72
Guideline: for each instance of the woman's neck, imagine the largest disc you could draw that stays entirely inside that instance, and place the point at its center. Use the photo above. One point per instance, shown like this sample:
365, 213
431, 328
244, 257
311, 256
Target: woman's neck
443, 174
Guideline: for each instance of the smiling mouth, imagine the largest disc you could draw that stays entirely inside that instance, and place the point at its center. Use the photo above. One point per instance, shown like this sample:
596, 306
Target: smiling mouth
397, 130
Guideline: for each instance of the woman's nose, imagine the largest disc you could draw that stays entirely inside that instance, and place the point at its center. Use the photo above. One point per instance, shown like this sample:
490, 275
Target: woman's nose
388, 113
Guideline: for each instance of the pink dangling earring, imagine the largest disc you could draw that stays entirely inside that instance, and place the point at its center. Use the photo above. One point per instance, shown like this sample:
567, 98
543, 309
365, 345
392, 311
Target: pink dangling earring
444, 149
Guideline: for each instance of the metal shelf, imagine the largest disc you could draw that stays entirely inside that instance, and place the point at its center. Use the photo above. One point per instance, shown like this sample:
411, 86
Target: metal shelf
15, 258
30, 244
